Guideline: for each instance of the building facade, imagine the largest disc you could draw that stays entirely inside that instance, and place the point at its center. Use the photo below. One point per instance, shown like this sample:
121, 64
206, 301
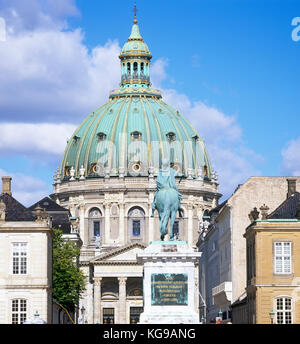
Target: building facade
273, 267
26, 261
229, 221
107, 181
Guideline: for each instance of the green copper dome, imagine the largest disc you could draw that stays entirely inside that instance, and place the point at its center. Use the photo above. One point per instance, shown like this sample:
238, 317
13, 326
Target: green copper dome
135, 129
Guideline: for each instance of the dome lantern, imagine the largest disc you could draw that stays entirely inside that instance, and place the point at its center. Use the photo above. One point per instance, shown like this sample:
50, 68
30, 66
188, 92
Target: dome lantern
135, 60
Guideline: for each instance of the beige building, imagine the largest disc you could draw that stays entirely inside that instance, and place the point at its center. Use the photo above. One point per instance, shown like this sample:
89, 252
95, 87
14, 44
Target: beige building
26, 261
273, 265
223, 244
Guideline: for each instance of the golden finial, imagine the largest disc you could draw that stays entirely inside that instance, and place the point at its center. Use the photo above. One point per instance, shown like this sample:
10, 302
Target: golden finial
135, 10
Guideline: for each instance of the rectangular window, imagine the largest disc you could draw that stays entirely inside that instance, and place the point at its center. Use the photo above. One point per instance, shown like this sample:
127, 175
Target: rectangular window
96, 228
19, 311
136, 227
283, 257
284, 310
176, 228
135, 314
108, 315
19, 258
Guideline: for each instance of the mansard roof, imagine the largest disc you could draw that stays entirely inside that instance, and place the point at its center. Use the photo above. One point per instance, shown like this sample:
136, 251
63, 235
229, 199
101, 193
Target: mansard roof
60, 216
15, 211
287, 209
49, 205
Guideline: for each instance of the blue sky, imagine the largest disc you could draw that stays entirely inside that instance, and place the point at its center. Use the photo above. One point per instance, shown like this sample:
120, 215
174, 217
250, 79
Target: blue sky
230, 66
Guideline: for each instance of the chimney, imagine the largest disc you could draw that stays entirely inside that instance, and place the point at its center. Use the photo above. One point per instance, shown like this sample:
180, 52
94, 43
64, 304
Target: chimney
291, 187
6, 185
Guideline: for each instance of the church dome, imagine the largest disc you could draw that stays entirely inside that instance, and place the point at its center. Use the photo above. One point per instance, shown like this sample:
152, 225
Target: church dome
135, 129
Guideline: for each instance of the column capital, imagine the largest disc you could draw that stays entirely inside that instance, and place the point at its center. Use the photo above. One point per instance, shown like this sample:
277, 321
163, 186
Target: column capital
190, 206
97, 281
106, 204
122, 280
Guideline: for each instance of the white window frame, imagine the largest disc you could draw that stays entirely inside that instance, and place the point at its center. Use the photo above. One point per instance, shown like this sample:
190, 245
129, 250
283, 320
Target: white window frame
19, 250
281, 257
284, 310
18, 312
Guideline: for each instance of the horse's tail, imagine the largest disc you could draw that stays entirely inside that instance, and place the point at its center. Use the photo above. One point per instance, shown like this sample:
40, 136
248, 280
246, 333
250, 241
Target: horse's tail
164, 222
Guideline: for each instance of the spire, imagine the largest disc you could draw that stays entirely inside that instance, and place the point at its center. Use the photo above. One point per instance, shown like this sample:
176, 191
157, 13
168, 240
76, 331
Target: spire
135, 10
135, 59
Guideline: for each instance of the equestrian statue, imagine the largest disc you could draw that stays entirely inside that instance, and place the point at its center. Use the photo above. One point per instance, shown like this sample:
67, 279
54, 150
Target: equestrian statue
166, 199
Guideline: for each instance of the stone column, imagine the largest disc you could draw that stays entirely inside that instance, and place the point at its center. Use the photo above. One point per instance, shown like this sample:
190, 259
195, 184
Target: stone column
81, 223
122, 234
197, 288
97, 300
106, 236
89, 304
190, 224
122, 300
151, 224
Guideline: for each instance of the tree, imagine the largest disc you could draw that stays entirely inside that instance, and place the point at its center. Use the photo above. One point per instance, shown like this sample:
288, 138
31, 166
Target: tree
68, 279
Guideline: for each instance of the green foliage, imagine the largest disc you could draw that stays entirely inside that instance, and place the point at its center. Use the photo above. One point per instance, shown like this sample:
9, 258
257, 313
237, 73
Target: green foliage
68, 279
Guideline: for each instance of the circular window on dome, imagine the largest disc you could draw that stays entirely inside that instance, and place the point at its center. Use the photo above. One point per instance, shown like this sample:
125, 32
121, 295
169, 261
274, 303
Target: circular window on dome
171, 136
135, 168
135, 110
136, 136
161, 111
96, 168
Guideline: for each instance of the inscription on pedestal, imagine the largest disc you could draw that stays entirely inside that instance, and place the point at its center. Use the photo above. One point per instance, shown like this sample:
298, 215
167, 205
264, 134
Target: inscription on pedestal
169, 289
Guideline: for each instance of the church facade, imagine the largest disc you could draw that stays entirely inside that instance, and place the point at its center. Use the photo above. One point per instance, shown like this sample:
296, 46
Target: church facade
107, 181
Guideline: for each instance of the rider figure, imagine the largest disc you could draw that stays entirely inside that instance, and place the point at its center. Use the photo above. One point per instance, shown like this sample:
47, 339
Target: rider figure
166, 179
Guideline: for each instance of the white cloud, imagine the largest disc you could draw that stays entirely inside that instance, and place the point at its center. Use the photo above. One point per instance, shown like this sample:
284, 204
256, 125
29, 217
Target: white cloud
51, 76
26, 189
30, 15
158, 72
291, 158
34, 138
233, 161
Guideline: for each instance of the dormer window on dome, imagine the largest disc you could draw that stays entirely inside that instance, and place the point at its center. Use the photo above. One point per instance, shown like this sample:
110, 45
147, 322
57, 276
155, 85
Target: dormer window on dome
136, 136
171, 136
101, 137
76, 139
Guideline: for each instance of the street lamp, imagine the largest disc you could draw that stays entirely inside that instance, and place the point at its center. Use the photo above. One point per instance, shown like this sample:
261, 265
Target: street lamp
82, 313
272, 316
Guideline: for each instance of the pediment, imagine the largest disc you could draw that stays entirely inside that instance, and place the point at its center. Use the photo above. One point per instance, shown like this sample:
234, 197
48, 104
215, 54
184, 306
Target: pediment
125, 254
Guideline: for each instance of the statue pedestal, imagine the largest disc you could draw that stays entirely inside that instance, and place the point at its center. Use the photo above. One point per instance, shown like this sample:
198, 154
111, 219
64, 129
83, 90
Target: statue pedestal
169, 283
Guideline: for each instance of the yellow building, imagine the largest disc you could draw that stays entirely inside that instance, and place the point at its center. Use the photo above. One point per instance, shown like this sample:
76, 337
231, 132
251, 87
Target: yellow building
273, 264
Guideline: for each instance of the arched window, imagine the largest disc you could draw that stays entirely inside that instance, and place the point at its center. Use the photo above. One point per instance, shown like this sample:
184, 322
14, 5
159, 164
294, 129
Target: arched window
135, 69
142, 67
136, 222
95, 220
128, 68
